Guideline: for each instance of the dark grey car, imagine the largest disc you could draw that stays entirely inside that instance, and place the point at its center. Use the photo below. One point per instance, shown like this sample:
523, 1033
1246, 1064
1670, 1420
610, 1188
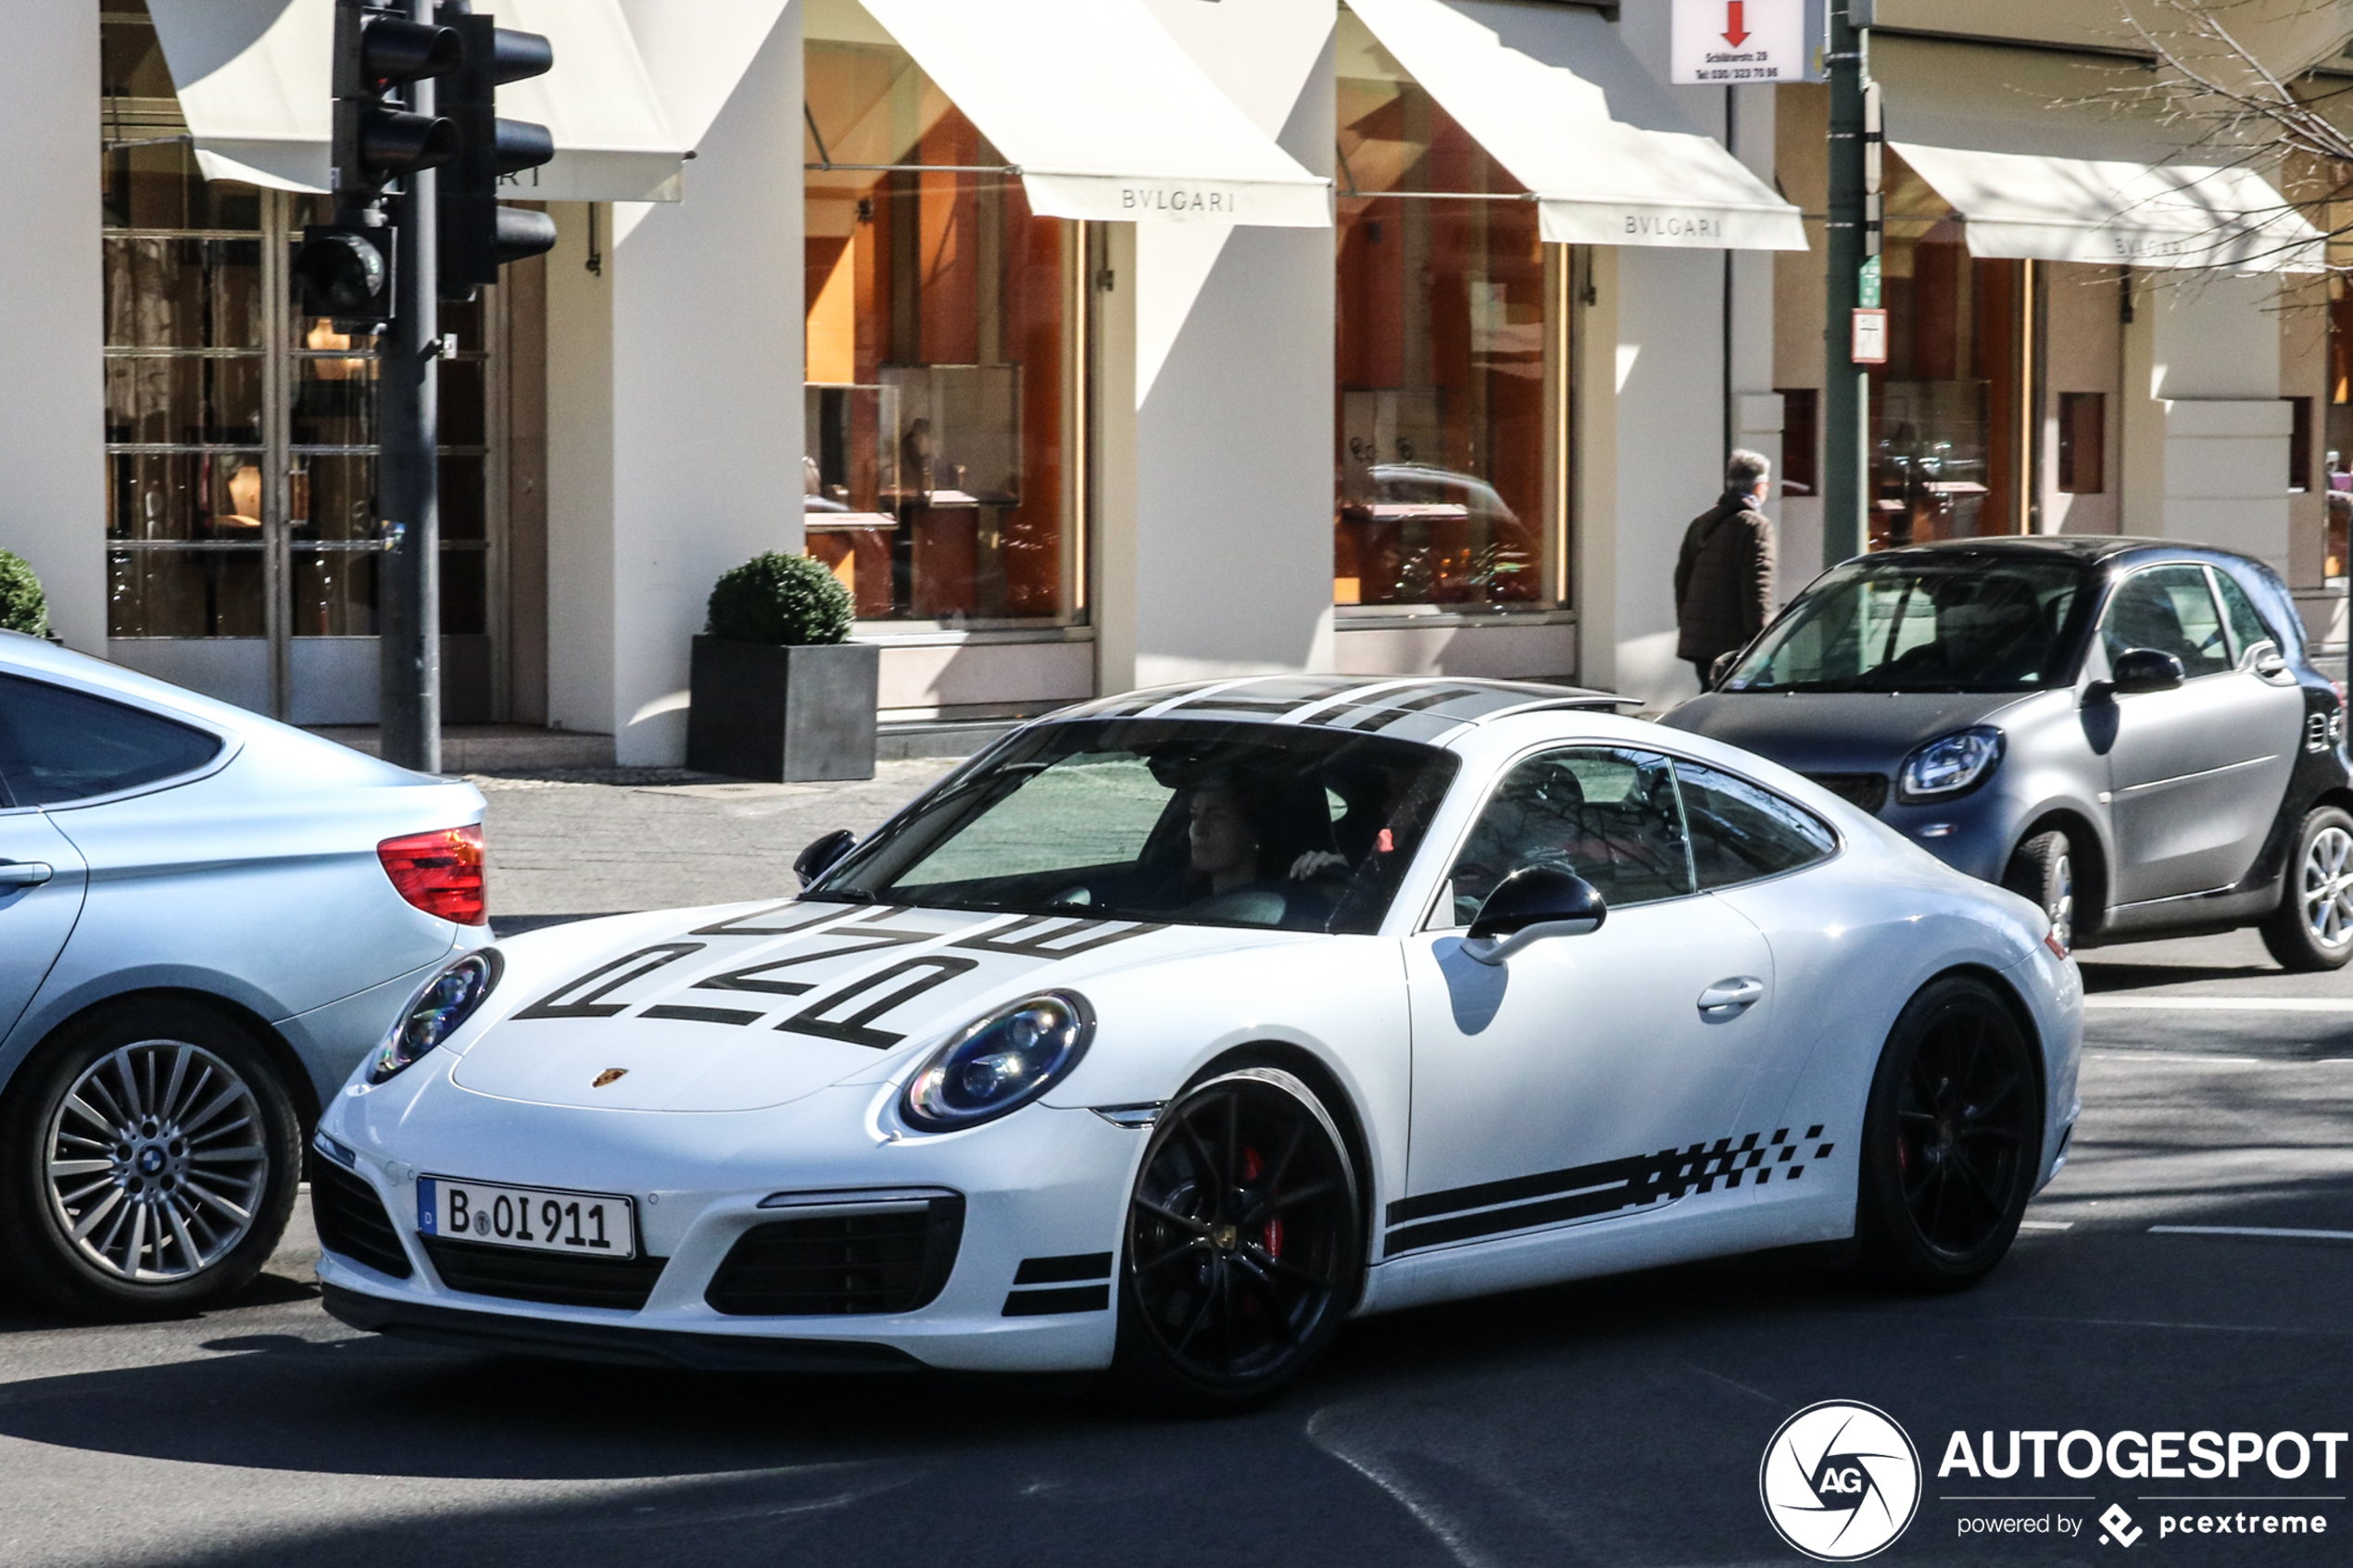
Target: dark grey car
2128, 732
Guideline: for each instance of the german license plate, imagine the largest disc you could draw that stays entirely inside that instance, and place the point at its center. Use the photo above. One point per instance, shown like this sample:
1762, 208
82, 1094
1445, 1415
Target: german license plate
592, 1224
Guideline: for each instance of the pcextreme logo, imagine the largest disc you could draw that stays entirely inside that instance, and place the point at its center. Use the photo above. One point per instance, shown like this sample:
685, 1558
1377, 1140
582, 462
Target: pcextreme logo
1840, 1480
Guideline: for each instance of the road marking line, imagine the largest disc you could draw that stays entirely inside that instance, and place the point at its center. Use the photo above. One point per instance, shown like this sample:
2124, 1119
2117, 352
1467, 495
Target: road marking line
2047, 1224
2222, 1004
2186, 1058
2250, 1230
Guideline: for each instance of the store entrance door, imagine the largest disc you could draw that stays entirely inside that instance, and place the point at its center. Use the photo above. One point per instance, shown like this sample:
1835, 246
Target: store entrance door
243, 539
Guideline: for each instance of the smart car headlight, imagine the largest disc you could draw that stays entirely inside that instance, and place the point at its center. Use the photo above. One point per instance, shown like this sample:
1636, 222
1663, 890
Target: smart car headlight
1003, 1061
449, 999
1951, 764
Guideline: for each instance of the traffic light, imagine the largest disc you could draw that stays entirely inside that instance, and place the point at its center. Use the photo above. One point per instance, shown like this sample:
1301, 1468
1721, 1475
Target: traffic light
478, 235
344, 269
379, 51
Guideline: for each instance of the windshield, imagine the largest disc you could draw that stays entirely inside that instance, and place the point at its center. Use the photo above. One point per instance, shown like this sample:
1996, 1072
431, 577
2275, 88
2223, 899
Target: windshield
1956, 623
1290, 827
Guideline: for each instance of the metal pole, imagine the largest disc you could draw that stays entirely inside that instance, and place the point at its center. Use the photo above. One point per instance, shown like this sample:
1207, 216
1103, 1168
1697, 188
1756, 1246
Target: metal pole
1846, 385
408, 479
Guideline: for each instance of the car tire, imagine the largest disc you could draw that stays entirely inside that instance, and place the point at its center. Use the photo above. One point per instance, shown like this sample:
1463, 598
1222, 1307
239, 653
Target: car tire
2312, 929
1952, 1140
148, 1162
1243, 1246
2043, 871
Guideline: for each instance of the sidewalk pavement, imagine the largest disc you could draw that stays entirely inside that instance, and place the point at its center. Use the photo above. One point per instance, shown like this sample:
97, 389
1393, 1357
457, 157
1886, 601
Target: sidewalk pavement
568, 843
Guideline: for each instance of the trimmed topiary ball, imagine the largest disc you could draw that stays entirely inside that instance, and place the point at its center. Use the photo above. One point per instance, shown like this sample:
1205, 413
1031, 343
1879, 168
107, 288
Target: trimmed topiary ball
782, 599
23, 607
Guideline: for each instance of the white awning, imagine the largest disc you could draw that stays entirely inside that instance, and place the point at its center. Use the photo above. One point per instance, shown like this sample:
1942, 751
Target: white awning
1557, 99
253, 79
1974, 123
1104, 114
2050, 208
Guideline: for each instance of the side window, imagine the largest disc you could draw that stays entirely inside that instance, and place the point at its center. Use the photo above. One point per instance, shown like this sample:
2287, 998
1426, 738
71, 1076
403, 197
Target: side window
1608, 814
2168, 608
1741, 831
59, 746
2246, 627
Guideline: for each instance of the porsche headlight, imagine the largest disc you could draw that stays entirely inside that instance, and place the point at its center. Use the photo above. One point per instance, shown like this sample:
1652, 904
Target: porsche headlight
1951, 764
449, 999
1005, 1060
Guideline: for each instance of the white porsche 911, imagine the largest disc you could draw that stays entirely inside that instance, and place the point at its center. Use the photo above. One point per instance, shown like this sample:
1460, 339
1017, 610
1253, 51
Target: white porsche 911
1176, 1027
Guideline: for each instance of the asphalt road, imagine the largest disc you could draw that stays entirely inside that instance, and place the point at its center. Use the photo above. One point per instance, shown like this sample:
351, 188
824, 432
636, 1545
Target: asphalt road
1613, 1423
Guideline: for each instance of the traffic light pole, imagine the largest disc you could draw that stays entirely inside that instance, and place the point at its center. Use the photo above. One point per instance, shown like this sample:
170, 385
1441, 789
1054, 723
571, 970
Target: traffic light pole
408, 474
1846, 385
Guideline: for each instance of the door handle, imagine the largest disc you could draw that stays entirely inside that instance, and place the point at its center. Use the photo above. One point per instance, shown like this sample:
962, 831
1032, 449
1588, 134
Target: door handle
1728, 997
24, 874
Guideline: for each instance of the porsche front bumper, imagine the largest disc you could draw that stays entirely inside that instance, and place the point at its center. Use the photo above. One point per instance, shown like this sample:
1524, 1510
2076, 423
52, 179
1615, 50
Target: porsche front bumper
1025, 1286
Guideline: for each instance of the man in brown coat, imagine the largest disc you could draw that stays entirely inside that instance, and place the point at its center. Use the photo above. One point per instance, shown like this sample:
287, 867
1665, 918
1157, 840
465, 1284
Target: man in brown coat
1724, 578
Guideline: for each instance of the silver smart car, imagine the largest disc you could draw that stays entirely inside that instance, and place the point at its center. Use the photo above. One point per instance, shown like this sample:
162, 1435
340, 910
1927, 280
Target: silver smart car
2128, 732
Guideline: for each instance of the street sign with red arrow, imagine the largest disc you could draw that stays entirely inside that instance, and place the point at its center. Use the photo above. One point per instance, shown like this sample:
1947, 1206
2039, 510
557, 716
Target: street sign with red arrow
1739, 42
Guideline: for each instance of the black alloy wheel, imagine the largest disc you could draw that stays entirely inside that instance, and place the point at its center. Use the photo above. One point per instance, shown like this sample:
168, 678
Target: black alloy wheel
2044, 871
148, 1162
2312, 929
1952, 1139
1243, 1246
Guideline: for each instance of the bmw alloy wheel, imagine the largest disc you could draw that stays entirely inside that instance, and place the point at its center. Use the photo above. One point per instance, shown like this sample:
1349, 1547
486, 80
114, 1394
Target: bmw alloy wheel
156, 1161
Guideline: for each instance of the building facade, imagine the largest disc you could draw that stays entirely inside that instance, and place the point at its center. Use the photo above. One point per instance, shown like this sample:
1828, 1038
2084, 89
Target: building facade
1104, 343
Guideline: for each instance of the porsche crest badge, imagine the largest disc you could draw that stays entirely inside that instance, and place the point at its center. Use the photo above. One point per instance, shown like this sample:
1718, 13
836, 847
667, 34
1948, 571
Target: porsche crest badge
610, 1076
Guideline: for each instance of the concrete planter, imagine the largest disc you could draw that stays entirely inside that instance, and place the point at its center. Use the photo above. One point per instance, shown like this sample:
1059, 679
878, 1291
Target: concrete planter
788, 715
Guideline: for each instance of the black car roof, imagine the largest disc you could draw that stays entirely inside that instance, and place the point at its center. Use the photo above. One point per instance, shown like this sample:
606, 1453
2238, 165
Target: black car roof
2092, 549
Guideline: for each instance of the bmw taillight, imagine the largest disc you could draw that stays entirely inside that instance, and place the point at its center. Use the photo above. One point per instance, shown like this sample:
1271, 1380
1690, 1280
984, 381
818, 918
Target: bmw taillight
441, 873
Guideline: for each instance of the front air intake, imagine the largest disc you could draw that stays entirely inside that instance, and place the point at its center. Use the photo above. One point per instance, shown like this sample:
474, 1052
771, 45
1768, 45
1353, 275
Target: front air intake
353, 1221
889, 1256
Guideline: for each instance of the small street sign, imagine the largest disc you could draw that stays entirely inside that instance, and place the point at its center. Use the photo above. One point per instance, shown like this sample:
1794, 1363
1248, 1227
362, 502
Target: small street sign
1869, 342
1744, 41
1867, 282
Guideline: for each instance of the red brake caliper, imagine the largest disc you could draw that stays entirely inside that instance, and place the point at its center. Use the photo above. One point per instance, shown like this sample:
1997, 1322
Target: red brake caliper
1270, 1234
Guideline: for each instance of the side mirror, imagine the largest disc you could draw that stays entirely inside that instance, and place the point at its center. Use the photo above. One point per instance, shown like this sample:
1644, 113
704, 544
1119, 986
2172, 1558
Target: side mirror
1530, 904
1722, 668
822, 854
2143, 670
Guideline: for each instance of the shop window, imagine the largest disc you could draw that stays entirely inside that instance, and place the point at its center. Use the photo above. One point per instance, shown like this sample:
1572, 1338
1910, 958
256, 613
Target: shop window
1948, 448
1449, 453
1801, 440
239, 435
943, 373
2299, 444
2082, 443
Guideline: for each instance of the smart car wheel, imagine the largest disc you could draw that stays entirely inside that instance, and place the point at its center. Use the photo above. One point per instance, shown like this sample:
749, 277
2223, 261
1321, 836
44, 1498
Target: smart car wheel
2043, 870
1952, 1139
152, 1160
1243, 1244
2312, 929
